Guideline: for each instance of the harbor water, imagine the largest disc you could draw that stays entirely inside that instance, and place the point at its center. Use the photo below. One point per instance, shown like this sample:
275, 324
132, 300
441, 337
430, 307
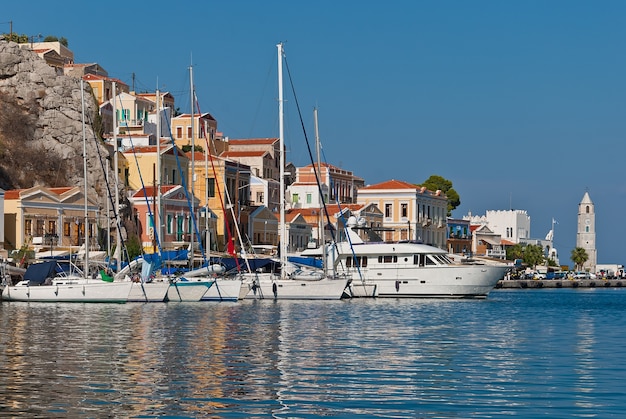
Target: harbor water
556, 353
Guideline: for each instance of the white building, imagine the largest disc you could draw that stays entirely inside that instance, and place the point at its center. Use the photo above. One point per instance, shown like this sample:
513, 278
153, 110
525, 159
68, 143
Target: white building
511, 225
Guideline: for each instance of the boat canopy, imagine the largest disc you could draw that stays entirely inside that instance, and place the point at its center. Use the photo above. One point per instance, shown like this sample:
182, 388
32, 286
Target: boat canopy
37, 273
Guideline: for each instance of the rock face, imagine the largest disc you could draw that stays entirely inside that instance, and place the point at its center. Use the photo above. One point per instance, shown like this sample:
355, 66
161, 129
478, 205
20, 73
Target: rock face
41, 128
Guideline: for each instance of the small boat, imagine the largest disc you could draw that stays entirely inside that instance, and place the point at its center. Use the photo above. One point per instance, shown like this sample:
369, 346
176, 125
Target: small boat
41, 284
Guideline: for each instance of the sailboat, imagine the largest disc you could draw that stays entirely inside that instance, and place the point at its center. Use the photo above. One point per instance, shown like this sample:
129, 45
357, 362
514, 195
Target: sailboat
42, 282
289, 282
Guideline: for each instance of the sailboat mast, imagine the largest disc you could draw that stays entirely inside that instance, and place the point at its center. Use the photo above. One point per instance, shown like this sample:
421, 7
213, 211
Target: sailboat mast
320, 225
283, 227
157, 221
118, 242
86, 233
193, 165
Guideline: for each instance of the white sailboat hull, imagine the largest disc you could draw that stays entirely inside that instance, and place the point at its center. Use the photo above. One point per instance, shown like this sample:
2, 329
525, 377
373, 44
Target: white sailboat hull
224, 289
264, 287
188, 291
149, 292
70, 292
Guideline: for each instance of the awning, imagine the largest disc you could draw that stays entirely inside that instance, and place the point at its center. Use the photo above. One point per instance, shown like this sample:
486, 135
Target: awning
491, 240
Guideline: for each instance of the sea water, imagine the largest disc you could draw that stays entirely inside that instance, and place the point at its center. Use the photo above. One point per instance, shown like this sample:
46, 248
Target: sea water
523, 353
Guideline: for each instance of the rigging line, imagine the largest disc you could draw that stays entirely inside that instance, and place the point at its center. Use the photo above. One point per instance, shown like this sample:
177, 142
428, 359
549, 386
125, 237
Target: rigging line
143, 186
109, 194
184, 185
219, 192
319, 185
343, 220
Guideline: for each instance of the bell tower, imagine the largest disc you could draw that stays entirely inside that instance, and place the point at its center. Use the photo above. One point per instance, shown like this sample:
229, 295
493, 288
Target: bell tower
586, 235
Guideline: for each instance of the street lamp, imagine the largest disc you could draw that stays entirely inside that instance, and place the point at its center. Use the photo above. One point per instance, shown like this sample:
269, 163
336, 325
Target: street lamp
51, 239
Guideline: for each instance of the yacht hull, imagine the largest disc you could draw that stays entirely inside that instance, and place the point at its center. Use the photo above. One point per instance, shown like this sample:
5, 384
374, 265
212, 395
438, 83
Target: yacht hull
88, 292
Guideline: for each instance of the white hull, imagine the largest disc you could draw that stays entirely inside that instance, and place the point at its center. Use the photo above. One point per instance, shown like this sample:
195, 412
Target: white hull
149, 292
224, 289
408, 269
87, 292
464, 281
359, 289
293, 289
186, 291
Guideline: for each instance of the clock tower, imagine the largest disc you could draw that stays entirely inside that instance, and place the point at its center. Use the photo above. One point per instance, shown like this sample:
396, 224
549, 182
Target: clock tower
586, 235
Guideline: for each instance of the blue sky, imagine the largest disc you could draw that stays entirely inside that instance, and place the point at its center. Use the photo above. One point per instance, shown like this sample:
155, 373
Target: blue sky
520, 104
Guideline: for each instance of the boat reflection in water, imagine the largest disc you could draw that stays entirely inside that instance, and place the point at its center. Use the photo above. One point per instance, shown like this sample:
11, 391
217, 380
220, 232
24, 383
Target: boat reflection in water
371, 357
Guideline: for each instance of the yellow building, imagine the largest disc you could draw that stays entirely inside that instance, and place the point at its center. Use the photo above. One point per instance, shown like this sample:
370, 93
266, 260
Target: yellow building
48, 217
141, 164
410, 212
204, 131
226, 185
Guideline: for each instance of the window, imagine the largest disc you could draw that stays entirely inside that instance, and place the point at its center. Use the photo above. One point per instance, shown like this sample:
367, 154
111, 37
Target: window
52, 226
189, 131
360, 261
211, 187
388, 259
309, 198
294, 198
28, 227
179, 132
170, 224
66, 228
404, 209
388, 209
40, 228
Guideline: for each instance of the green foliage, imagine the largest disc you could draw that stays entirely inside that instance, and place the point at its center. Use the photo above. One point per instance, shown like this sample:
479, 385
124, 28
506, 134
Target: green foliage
436, 182
25, 39
133, 246
187, 148
515, 252
579, 257
533, 255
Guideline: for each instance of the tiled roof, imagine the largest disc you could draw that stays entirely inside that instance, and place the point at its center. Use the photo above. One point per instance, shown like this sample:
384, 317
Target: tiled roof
151, 190
392, 184
253, 140
244, 153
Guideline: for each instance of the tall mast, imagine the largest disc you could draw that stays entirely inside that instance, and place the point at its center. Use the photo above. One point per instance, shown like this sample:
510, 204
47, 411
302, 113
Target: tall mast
193, 166
320, 219
283, 227
157, 220
118, 243
86, 233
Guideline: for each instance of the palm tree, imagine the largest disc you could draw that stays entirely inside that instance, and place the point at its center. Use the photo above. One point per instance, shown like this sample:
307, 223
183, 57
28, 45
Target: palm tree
579, 257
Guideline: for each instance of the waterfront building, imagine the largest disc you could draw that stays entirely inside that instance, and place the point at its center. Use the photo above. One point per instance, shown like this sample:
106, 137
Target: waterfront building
586, 232
338, 185
459, 236
175, 217
511, 225
55, 217
410, 212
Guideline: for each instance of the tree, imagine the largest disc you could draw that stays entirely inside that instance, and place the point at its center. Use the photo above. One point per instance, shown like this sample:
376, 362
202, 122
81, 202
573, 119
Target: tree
436, 182
579, 257
533, 255
515, 252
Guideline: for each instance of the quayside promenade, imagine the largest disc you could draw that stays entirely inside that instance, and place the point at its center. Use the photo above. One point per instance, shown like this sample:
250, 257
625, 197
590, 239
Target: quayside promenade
561, 283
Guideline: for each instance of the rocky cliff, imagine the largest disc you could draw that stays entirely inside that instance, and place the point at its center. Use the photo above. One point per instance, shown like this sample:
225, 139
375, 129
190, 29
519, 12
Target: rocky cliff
41, 128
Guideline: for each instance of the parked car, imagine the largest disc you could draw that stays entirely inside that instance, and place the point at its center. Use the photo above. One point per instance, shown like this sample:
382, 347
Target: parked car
584, 275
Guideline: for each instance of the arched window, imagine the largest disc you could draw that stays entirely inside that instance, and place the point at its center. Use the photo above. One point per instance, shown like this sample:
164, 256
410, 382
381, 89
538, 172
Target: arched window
587, 209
